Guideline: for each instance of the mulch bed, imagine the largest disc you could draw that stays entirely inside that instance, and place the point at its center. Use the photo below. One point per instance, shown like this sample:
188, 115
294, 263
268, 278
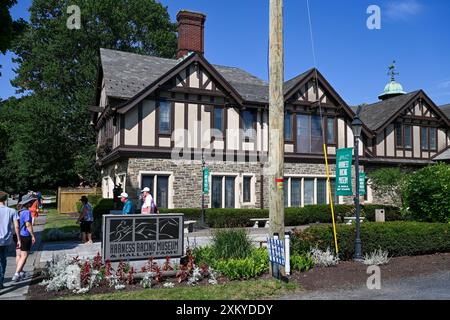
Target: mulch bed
346, 274
38, 292
350, 274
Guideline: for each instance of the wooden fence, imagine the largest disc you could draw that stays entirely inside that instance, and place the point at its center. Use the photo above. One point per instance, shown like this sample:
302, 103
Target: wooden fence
68, 197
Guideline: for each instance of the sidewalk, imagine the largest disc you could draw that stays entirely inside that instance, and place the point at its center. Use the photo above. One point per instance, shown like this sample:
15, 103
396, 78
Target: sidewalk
19, 290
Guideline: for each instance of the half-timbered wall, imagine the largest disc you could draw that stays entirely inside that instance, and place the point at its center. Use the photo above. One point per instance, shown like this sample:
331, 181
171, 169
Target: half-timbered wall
417, 116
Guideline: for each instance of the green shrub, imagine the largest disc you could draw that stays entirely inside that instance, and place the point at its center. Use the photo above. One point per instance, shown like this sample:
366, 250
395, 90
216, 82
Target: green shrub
103, 207
398, 238
426, 194
252, 266
231, 243
301, 262
204, 255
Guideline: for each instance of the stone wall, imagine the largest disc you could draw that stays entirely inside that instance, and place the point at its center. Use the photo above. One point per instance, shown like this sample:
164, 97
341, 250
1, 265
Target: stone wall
187, 178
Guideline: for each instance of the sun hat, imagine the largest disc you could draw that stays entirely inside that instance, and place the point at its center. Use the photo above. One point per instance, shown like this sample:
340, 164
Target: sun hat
123, 195
26, 199
146, 189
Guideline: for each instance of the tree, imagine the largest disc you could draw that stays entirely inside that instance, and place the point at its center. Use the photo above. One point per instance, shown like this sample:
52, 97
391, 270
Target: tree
426, 194
389, 182
8, 27
59, 66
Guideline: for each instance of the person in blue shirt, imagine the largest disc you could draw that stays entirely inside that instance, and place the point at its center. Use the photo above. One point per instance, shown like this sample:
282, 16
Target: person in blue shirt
26, 236
128, 207
8, 223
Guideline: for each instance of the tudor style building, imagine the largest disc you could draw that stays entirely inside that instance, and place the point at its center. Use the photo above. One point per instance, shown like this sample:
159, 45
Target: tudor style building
155, 119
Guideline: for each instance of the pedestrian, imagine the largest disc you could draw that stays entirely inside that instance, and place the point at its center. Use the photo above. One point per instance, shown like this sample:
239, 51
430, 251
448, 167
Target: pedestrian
128, 207
149, 205
86, 219
8, 219
34, 208
26, 236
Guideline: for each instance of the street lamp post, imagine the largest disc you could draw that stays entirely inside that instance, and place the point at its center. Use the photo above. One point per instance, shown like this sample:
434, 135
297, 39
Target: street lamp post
356, 127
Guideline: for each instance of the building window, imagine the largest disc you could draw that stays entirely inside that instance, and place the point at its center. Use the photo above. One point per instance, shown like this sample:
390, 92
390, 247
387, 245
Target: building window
160, 183
309, 134
399, 134
308, 191
218, 119
248, 121
321, 191
403, 134
223, 192
229, 192
247, 196
428, 138
216, 192
296, 192
408, 136
164, 117
331, 137
433, 138
288, 126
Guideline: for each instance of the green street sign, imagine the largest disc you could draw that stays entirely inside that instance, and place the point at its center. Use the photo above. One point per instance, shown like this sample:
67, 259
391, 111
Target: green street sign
205, 180
362, 184
344, 172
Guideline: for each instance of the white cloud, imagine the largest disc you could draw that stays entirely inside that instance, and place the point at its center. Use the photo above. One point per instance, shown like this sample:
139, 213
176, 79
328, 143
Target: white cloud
403, 9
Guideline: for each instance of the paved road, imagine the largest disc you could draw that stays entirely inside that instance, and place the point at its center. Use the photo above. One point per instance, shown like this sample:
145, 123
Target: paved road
435, 286
19, 290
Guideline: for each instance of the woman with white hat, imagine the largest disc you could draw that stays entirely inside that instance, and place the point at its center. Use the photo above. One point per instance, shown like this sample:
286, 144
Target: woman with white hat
149, 205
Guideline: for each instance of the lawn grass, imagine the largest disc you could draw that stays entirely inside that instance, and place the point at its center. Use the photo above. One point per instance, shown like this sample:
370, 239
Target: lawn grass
61, 222
236, 290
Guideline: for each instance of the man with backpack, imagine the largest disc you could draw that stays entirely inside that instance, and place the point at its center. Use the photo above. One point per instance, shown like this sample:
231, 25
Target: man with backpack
8, 219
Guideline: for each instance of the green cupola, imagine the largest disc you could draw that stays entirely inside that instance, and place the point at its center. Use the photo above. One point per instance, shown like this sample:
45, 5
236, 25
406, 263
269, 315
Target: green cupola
393, 88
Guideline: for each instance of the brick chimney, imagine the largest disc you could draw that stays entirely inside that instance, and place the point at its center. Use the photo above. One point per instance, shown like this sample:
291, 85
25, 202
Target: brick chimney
191, 32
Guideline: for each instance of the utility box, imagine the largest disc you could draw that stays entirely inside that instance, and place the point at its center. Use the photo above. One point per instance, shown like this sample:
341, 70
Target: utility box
380, 215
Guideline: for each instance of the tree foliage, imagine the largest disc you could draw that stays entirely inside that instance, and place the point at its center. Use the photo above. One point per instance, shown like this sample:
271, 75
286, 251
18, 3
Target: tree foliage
389, 182
426, 194
8, 27
50, 139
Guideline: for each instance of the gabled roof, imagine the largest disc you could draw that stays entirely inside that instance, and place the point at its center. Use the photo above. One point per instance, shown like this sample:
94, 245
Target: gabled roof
293, 85
290, 84
379, 115
446, 110
127, 74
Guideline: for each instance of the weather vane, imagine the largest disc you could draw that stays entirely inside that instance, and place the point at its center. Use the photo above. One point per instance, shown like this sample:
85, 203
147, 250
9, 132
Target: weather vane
392, 72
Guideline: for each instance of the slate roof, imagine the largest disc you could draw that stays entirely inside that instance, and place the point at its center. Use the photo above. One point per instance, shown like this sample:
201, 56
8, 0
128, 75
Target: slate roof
375, 115
288, 85
126, 74
443, 156
446, 109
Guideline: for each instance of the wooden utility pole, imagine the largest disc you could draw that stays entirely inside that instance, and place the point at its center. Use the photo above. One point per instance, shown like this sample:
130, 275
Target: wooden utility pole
276, 121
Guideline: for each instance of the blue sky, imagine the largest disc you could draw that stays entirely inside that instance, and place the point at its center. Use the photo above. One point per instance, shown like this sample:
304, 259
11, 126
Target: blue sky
354, 59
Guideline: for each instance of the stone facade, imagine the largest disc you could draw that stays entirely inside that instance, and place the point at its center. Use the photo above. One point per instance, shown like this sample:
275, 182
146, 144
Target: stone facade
185, 179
